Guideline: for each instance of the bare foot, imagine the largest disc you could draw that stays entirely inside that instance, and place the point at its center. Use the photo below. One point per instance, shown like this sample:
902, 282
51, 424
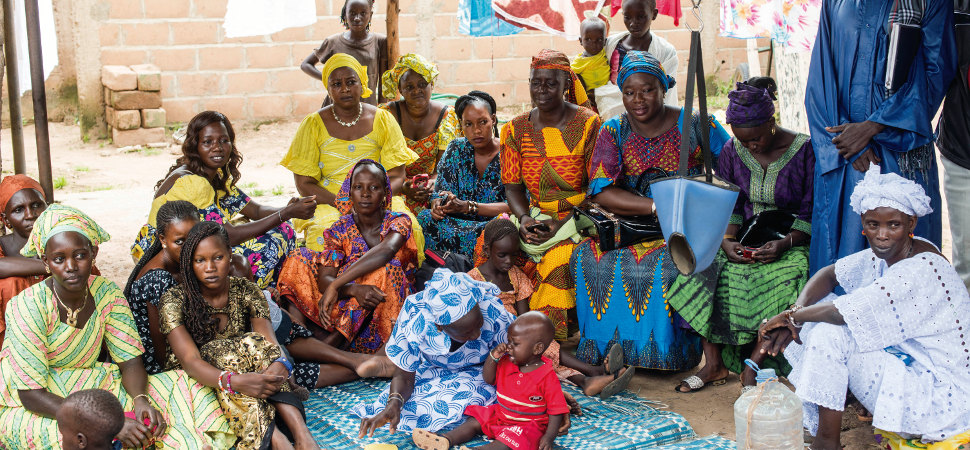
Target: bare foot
595, 385
573, 405
821, 444
279, 441
375, 367
427, 440
707, 374
306, 444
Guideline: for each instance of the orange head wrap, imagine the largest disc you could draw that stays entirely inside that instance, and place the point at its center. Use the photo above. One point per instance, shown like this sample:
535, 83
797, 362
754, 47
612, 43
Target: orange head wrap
13, 184
556, 60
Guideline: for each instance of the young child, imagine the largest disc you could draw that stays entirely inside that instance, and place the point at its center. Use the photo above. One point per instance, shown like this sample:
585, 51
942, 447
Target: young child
370, 49
501, 245
530, 406
591, 66
90, 419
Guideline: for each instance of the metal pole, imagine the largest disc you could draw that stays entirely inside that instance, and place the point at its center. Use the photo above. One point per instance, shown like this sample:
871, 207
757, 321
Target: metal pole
40, 99
13, 88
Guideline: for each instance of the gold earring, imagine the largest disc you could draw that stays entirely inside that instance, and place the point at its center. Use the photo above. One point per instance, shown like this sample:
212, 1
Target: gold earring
47, 269
773, 129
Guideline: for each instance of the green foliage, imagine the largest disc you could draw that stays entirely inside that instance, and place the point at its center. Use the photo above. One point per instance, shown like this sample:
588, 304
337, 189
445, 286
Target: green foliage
60, 182
278, 190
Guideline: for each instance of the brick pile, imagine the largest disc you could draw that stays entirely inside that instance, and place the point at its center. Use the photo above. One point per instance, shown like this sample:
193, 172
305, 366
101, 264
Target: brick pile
133, 104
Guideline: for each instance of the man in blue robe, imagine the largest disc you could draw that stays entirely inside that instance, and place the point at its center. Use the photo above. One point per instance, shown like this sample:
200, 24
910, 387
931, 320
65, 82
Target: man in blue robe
854, 122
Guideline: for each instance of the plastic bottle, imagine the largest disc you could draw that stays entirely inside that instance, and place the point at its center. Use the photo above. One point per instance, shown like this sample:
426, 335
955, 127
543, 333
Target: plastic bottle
775, 418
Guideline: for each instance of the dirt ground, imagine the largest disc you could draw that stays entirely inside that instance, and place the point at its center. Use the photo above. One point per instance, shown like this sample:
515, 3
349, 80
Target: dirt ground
116, 189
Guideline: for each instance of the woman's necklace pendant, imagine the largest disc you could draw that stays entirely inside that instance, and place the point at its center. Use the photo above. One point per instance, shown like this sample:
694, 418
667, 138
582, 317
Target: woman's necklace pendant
70, 314
360, 112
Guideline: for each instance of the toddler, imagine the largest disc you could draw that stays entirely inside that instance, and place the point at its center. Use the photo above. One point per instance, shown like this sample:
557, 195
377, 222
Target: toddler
500, 240
591, 66
90, 418
370, 49
530, 405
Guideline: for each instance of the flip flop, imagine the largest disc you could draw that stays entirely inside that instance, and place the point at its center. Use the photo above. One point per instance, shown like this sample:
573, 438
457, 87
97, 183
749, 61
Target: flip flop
427, 440
619, 383
695, 383
614, 359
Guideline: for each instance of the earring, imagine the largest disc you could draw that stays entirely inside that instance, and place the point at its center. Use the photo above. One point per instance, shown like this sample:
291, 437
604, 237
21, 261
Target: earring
773, 129
863, 232
47, 269
911, 235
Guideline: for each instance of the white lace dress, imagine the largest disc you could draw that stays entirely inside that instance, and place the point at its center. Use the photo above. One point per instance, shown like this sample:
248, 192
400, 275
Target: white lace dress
903, 351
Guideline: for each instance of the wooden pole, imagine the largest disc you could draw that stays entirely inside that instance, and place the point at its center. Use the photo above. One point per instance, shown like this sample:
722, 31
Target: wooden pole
393, 37
41, 132
13, 88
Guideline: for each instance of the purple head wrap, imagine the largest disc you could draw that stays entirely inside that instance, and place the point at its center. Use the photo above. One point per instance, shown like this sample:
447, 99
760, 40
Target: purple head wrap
749, 106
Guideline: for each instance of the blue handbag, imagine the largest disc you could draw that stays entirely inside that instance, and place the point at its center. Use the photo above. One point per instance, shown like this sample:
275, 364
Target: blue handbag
694, 210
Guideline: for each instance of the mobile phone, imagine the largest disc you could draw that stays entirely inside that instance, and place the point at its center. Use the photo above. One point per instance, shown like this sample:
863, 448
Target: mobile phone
747, 252
541, 228
420, 180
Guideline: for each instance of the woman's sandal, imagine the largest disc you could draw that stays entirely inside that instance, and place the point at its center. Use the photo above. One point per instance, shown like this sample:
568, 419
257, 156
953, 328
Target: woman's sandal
427, 440
695, 383
619, 383
614, 361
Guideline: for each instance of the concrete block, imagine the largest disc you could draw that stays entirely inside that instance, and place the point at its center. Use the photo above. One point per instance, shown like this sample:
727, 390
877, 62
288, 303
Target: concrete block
125, 100
153, 118
140, 136
118, 78
122, 120
149, 77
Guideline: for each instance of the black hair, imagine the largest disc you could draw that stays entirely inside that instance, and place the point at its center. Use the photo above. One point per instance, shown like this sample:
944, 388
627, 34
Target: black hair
343, 14
190, 151
476, 98
198, 322
651, 4
766, 83
497, 229
168, 214
97, 413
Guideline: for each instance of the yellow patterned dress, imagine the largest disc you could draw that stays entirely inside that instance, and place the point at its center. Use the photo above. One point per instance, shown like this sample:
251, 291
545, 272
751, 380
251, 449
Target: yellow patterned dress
552, 164
41, 352
314, 153
429, 148
236, 348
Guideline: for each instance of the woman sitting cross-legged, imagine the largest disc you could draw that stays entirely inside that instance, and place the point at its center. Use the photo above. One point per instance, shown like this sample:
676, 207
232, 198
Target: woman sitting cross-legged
57, 330
219, 331
206, 175
428, 125
354, 289
895, 338
725, 303
469, 188
439, 345
21, 201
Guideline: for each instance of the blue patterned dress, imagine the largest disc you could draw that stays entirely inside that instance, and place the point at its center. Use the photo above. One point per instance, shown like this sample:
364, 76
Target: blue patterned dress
457, 174
445, 382
265, 253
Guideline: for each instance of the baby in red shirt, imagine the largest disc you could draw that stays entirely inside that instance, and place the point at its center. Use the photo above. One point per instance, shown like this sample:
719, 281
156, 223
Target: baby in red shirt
530, 406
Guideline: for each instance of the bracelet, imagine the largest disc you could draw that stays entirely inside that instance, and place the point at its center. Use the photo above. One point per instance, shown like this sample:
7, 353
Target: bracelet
224, 372
730, 236
141, 395
395, 396
229, 384
286, 363
791, 242
280, 215
494, 358
790, 313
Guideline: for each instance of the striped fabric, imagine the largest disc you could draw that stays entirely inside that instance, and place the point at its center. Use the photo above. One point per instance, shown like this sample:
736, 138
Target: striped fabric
41, 352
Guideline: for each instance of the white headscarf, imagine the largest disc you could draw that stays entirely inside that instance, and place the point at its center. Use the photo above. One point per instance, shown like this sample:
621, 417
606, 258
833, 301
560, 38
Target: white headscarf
890, 190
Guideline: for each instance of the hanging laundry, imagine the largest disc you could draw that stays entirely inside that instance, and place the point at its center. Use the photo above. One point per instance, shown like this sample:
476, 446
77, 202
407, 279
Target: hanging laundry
559, 17
666, 7
476, 18
791, 23
261, 17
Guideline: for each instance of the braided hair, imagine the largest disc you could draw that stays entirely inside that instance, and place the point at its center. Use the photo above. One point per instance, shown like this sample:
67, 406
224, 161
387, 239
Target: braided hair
343, 14
169, 213
497, 229
476, 98
225, 178
198, 322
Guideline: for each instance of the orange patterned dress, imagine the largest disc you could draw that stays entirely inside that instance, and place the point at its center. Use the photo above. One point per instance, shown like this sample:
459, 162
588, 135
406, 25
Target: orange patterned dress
553, 166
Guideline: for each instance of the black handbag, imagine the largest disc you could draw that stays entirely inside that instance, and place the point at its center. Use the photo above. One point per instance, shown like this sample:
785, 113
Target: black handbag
765, 226
616, 231
454, 262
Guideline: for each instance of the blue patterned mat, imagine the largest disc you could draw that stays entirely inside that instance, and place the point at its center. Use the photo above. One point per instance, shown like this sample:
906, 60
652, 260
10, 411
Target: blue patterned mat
622, 422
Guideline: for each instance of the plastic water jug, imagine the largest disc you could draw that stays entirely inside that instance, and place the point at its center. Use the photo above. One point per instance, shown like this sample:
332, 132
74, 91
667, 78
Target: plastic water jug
772, 412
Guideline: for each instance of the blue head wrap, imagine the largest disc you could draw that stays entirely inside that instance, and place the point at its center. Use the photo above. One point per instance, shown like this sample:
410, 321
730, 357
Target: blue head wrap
643, 62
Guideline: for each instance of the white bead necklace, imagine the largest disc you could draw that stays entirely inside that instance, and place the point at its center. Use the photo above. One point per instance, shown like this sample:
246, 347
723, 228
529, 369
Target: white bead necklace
360, 112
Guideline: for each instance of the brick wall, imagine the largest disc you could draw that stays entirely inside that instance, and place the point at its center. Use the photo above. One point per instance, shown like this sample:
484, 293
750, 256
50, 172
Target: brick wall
258, 78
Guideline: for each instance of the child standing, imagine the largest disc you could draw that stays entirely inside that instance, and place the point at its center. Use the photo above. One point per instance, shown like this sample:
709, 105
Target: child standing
592, 66
530, 406
638, 16
500, 240
370, 49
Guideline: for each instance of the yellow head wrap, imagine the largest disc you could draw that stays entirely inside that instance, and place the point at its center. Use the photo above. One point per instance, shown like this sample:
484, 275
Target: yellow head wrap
57, 219
411, 61
339, 60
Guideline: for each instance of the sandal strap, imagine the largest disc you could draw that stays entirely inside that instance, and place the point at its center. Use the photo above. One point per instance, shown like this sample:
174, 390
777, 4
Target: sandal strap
694, 382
